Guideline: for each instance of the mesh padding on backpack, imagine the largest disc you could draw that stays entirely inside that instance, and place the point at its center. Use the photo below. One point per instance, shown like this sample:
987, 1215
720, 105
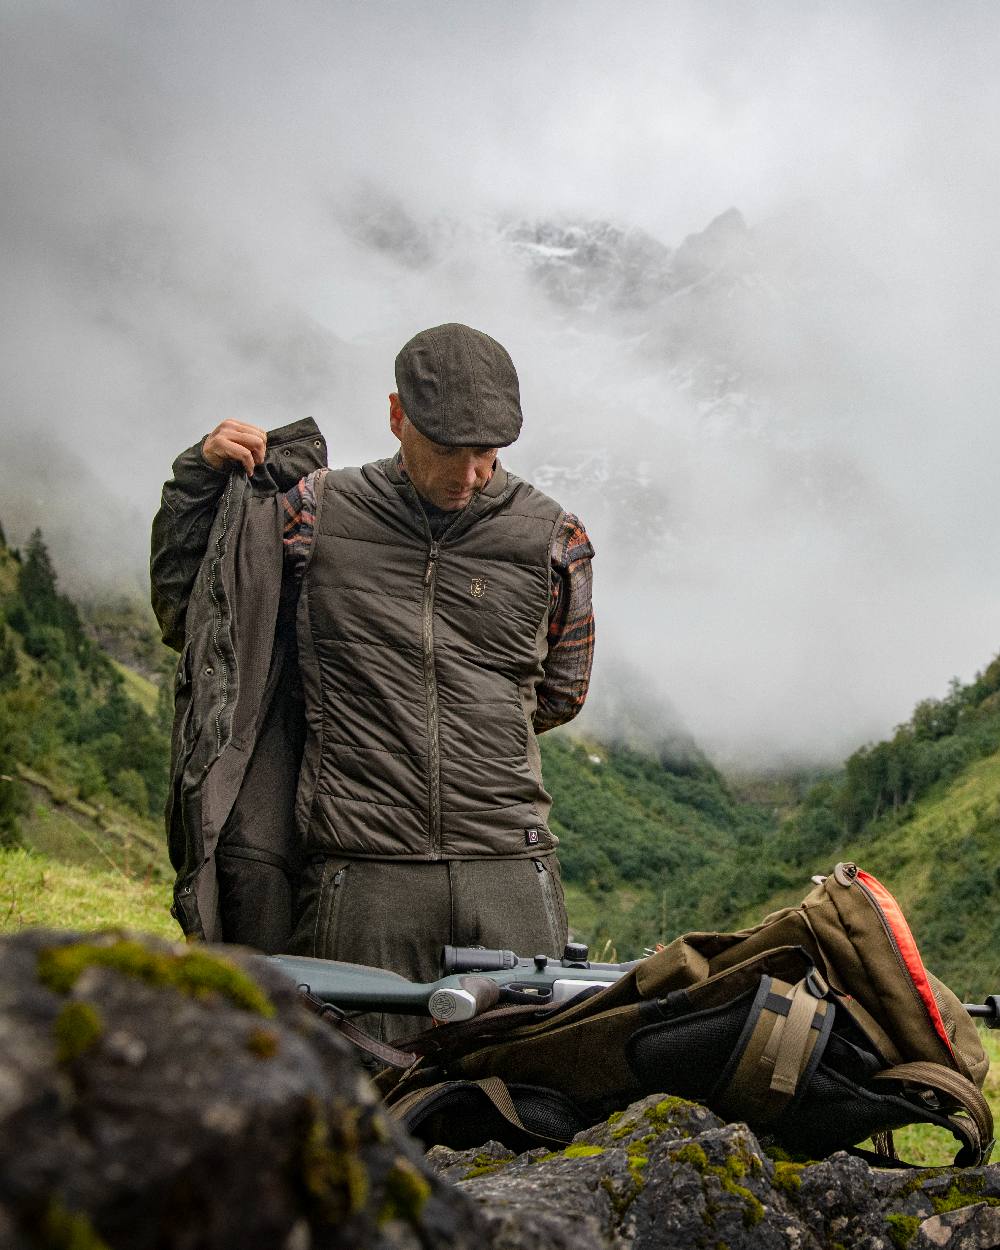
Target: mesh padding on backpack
685, 1055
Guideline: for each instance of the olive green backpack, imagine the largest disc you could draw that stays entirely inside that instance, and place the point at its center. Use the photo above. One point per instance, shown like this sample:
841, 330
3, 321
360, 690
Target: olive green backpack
820, 1027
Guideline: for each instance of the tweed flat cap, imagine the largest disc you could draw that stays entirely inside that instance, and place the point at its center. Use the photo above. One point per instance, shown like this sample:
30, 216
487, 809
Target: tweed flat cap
459, 387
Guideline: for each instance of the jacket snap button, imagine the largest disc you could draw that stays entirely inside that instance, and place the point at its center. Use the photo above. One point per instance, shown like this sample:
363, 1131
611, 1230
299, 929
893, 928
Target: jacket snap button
286, 452
209, 671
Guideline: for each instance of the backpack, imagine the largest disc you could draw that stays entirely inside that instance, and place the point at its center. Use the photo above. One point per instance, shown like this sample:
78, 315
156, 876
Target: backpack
819, 1027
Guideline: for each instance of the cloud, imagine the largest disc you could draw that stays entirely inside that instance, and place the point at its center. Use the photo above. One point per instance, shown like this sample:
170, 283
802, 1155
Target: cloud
229, 210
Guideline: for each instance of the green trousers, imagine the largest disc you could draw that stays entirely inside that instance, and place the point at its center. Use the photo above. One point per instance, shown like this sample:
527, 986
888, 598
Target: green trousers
399, 914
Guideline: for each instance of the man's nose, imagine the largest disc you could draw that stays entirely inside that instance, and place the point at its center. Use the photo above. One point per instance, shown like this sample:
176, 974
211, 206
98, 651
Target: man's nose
467, 471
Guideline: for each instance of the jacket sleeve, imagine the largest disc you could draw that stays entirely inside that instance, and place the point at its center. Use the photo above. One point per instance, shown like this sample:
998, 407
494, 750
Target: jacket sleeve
567, 666
180, 537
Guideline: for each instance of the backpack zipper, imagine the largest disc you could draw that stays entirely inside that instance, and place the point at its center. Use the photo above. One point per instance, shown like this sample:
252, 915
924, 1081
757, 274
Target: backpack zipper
850, 874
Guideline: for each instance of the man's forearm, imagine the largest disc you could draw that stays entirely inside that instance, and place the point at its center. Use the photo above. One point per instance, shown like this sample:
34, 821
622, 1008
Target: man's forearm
567, 666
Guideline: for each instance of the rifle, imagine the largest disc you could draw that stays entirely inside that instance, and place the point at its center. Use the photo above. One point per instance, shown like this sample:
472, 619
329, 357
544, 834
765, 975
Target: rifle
476, 979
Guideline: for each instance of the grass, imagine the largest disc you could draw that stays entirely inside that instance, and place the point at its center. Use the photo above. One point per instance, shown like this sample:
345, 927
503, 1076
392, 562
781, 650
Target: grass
74, 832
139, 688
38, 890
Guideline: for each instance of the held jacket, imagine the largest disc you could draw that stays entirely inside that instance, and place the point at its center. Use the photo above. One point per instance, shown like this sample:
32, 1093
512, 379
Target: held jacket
420, 659
216, 576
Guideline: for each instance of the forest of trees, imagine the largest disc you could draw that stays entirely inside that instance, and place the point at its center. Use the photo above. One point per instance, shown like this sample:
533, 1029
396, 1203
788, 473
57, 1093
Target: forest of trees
64, 710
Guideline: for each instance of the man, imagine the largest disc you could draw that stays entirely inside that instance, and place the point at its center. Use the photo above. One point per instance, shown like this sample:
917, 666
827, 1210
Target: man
387, 641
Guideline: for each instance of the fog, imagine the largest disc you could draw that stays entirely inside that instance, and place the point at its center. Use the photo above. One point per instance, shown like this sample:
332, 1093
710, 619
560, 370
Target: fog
787, 468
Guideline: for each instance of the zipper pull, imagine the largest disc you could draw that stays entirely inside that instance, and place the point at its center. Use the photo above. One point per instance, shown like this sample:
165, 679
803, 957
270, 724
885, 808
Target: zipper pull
432, 555
845, 873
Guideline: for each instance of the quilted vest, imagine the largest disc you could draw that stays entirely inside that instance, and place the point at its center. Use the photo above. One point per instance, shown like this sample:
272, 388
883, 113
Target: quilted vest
420, 660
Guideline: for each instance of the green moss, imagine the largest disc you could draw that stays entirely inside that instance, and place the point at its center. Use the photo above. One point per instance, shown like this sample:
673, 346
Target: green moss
78, 1027
636, 1166
334, 1176
788, 1177
406, 1191
691, 1153
484, 1165
753, 1208
380, 1129
734, 1169
902, 1229
193, 972
485, 1170
262, 1043
961, 1193
582, 1152
67, 1230
615, 1116
664, 1114
622, 1130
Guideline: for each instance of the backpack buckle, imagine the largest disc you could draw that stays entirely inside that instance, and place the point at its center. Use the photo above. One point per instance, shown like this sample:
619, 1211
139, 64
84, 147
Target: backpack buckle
816, 984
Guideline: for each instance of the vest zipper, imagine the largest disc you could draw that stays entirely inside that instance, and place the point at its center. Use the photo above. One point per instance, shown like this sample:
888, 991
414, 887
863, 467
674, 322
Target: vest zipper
431, 691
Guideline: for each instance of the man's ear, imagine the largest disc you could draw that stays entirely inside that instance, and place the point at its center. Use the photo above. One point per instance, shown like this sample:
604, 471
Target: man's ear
397, 416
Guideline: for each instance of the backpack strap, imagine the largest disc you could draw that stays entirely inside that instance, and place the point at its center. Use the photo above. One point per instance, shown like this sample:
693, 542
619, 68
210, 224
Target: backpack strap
786, 1031
976, 1132
414, 1106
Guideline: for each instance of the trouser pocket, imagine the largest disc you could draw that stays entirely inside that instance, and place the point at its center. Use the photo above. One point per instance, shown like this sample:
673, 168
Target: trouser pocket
553, 901
332, 890
319, 907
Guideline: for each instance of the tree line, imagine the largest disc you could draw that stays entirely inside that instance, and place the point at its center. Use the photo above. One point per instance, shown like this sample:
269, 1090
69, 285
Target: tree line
64, 710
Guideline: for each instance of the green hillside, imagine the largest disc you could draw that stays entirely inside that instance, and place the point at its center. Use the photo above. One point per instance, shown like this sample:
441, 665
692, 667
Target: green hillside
83, 738
921, 811
642, 840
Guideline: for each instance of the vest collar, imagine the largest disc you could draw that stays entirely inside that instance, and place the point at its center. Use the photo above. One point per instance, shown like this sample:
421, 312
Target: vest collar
495, 493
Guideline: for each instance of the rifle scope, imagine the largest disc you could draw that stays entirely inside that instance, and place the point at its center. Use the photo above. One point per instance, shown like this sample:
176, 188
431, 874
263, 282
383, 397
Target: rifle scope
476, 959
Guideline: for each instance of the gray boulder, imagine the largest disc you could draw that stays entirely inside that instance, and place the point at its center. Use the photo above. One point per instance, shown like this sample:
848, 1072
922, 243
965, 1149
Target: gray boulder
163, 1096
669, 1174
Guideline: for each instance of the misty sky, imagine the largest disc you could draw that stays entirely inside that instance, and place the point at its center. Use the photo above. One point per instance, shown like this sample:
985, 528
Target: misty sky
188, 198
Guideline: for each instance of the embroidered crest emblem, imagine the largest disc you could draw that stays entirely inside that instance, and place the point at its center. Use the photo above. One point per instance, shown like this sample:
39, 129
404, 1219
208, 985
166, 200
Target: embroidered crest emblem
477, 588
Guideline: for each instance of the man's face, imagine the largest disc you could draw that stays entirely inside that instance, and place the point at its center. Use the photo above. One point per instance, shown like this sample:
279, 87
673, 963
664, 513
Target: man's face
445, 476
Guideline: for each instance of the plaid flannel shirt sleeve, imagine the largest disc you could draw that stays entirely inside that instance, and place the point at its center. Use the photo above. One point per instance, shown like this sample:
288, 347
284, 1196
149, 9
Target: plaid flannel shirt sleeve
567, 666
299, 507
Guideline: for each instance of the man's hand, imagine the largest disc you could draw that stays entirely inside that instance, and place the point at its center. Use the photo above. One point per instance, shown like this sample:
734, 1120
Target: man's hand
234, 441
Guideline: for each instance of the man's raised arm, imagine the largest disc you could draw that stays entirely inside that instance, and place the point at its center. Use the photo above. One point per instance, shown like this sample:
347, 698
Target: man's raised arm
187, 507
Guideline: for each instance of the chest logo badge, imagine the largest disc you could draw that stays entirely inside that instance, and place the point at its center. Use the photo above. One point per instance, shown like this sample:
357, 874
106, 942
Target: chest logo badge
477, 587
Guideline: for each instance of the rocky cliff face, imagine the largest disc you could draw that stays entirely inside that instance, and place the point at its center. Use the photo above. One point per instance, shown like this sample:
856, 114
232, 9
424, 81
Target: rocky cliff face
161, 1097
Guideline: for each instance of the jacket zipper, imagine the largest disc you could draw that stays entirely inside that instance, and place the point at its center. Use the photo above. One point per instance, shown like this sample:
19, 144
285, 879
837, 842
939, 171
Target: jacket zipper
224, 671
431, 691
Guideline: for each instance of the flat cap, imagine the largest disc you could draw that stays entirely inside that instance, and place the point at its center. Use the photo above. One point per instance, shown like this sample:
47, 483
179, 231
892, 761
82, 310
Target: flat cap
459, 387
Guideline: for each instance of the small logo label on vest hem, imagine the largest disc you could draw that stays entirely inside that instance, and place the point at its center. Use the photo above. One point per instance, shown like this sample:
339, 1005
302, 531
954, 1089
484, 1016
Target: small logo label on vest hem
531, 837
477, 588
